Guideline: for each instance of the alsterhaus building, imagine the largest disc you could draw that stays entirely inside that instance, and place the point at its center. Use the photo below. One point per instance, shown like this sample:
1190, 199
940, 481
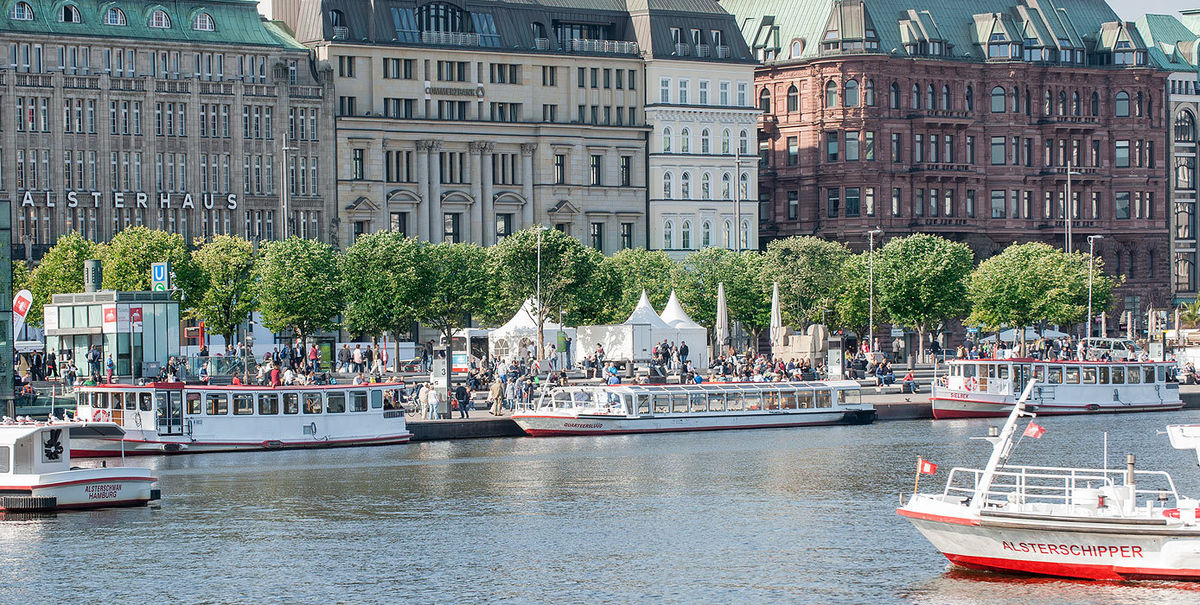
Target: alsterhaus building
175, 116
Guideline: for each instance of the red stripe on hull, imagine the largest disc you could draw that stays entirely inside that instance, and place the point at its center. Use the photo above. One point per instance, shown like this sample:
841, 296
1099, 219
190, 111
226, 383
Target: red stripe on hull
1073, 570
206, 447
566, 433
944, 414
939, 518
78, 481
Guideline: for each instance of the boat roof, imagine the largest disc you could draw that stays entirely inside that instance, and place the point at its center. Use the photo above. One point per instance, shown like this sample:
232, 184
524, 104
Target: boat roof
723, 387
175, 386
14, 431
1063, 361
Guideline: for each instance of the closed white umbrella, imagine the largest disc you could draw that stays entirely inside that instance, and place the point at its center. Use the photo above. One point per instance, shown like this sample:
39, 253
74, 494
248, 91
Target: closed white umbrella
776, 318
721, 330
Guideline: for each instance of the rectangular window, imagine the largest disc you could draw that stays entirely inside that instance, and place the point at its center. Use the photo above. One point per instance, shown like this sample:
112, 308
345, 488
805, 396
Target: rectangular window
869, 146
1121, 205
664, 90
971, 150
560, 169
832, 202
596, 165
793, 205
851, 149
793, 151
998, 151
831, 146
918, 202
897, 200
918, 150
1122, 154
359, 164
971, 203
626, 170
997, 203
597, 236
626, 229
896, 148
852, 201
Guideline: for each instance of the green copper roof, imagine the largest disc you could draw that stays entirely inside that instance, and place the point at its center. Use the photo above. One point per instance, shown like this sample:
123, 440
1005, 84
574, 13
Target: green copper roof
964, 25
235, 21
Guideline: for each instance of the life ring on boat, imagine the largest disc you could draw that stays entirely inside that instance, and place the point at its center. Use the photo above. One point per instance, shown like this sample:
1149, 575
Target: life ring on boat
971, 383
101, 416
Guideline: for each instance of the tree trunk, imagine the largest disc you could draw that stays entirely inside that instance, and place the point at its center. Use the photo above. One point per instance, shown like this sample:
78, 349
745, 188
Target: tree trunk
920, 344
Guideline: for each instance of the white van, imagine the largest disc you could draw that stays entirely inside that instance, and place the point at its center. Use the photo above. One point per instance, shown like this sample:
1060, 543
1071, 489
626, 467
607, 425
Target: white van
1118, 349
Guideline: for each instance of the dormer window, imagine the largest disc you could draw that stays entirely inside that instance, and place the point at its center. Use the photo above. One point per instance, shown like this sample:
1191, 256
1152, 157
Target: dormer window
337, 18
69, 14
160, 20
114, 16
21, 12
204, 23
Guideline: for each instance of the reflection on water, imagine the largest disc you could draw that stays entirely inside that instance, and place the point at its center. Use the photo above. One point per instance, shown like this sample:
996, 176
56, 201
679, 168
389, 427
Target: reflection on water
783, 515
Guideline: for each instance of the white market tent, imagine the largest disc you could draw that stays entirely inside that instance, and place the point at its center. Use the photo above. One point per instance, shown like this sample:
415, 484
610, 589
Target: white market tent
686, 330
512, 339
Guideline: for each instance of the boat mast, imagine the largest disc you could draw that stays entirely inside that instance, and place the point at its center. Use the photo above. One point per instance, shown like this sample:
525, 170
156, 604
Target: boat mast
1001, 447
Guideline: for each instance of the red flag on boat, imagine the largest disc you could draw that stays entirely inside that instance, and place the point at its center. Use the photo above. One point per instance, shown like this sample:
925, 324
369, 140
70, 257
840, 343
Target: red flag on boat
1035, 430
927, 468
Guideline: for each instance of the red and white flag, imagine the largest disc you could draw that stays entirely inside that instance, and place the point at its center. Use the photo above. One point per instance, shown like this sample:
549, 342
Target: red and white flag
1035, 430
927, 468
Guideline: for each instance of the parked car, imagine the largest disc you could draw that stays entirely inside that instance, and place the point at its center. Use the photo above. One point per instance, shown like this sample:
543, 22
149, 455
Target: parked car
1118, 349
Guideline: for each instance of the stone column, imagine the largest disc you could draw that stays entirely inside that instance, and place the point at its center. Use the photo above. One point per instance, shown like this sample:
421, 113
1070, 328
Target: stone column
437, 227
475, 173
422, 217
527, 211
487, 211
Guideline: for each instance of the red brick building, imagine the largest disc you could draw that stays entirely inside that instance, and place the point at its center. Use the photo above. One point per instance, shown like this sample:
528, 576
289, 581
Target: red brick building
966, 134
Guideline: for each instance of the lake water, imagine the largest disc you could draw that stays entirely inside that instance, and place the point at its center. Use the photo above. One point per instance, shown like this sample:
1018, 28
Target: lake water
764, 516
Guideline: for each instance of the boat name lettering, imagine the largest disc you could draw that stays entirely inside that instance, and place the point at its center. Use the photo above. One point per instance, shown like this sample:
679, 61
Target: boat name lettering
1075, 550
582, 425
105, 491
954, 395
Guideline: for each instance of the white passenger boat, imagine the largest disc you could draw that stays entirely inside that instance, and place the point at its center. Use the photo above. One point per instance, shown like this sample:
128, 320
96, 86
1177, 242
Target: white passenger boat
184, 418
605, 410
36, 472
1097, 524
975, 388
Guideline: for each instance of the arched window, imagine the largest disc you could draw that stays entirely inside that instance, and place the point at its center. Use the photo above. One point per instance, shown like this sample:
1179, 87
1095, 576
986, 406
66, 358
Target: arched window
1075, 105
869, 93
1138, 107
726, 181
685, 236
1122, 106
204, 22
894, 96
796, 48
666, 140
744, 143
793, 99
930, 101
685, 141
1185, 127
1095, 103
915, 102
1185, 173
69, 14
831, 94
442, 17
685, 186
704, 147
764, 101
21, 11
727, 235
745, 234
1062, 102
725, 141
114, 16
969, 99
851, 99
668, 189
706, 234
744, 185
668, 230
998, 100
945, 97
706, 186
160, 20
1047, 103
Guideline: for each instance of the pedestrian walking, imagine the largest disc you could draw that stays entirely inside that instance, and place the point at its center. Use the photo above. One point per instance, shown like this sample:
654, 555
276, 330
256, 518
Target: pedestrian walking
462, 396
496, 398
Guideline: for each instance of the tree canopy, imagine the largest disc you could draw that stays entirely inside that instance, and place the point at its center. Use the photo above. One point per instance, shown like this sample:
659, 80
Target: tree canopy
59, 272
226, 265
571, 278
455, 286
747, 295
854, 298
808, 270
298, 286
921, 281
381, 279
128, 256
638, 269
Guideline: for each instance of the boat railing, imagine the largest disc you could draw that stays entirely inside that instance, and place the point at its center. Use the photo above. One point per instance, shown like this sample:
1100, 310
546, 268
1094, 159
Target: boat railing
1056, 485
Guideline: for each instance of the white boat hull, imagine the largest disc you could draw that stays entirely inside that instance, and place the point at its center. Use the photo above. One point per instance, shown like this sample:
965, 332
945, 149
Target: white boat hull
83, 488
952, 404
150, 443
1103, 551
545, 425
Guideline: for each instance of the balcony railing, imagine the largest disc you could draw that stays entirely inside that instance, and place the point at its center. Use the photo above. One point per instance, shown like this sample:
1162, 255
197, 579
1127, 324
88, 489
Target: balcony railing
41, 80
130, 84
308, 92
341, 32
586, 45
682, 50
216, 88
722, 52
703, 50
541, 43
88, 82
258, 90
176, 86
450, 38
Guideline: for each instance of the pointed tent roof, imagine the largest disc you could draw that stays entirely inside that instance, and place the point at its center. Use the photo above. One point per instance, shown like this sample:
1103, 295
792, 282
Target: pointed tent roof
526, 319
674, 314
643, 313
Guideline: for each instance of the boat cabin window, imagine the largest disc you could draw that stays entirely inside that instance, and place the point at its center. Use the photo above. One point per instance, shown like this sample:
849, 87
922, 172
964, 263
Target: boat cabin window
772, 400
805, 399
789, 400
100, 401
1133, 375
243, 404
662, 404
117, 400
5, 456
358, 401
291, 403
968, 370
849, 396
1071, 375
679, 403
1104, 374
1118, 375
643, 404
335, 403
376, 401
216, 404
268, 405
733, 402
1148, 374
1089, 375
1039, 373
698, 402
1162, 374
144, 403
1002, 372
312, 403
1055, 374
716, 402
194, 406
824, 398
752, 401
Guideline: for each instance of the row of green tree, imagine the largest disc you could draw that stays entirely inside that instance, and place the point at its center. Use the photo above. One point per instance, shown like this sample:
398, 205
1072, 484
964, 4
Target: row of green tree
384, 282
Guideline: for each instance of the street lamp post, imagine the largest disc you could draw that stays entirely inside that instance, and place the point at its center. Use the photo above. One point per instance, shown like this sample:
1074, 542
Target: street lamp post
871, 287
1091, 269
